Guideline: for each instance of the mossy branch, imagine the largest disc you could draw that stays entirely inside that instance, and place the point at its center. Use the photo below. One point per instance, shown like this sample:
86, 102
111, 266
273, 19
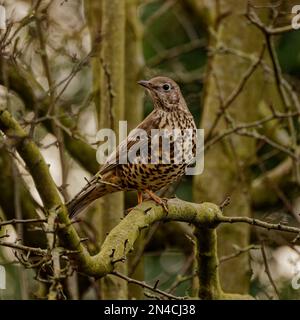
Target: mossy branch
44, 183
35, 97
119, 242
33, 159
7, 203
121, 239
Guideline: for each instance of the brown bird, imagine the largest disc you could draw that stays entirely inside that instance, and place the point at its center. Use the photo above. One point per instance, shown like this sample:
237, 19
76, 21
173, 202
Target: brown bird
170, 112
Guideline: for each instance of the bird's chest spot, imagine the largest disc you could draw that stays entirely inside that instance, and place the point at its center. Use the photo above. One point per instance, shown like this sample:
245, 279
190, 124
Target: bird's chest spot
150, 176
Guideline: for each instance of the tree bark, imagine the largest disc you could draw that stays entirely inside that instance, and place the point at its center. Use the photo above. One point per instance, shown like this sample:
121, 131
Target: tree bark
134, 109
112, 110
226, 170
27, 203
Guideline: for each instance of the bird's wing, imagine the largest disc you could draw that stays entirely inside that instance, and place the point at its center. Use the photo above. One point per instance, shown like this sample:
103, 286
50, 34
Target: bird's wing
150, 122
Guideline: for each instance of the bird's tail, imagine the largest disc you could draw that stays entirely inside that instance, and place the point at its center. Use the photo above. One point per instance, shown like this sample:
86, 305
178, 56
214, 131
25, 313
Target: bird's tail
85, 197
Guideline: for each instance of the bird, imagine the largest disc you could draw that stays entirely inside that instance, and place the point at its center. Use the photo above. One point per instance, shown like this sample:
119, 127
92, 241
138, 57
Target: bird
170, 113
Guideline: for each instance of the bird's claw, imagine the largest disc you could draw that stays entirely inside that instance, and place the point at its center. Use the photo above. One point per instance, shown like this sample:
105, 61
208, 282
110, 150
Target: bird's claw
161, 201
165, 204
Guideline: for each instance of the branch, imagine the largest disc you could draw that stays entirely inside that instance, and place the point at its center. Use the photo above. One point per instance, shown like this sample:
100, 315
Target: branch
259, 223
121, 239
236, 91
34, 96
119, 242
263, 188
28, 204
147, 286
174, 52
206, 254
253, 17
44, 183
38, 251
21, 221
238, 251
31, 155
267, 269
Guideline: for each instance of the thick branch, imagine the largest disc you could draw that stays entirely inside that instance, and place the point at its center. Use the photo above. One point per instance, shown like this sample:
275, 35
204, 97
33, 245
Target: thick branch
209, 283
33, 95
121, 239
119, 242
44, 183
28, 204
31, 155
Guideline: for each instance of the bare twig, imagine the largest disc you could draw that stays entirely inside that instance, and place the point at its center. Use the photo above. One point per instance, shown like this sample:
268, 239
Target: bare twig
23, 248
175, 52
21, 221
260, 223
238, 252
236, 91
253, 18
267, 269
146, 286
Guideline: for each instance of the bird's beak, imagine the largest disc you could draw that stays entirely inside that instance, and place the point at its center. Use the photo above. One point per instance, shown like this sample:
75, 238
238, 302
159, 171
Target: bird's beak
145, 84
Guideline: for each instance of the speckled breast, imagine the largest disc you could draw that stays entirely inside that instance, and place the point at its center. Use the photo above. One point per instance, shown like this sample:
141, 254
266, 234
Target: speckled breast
170, 164
150, 176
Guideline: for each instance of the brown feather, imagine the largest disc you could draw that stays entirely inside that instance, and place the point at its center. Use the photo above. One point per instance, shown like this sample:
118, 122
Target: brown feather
170, 112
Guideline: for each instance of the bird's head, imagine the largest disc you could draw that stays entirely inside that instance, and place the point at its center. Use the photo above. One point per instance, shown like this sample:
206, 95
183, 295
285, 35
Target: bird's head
165, 93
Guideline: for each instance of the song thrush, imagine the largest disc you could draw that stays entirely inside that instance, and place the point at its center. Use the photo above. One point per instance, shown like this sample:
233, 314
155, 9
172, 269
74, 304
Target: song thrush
170, 112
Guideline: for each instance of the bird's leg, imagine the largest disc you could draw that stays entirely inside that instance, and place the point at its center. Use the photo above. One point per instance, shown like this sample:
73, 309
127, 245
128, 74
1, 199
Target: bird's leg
140, 197
157, 199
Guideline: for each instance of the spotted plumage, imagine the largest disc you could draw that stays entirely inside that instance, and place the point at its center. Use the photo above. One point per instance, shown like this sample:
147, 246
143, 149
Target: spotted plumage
170, 112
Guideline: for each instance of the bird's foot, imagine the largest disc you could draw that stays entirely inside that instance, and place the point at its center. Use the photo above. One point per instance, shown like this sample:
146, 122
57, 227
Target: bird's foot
161, 201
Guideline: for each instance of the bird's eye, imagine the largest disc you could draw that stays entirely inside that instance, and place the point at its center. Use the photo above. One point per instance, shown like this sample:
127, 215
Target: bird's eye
167, 87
